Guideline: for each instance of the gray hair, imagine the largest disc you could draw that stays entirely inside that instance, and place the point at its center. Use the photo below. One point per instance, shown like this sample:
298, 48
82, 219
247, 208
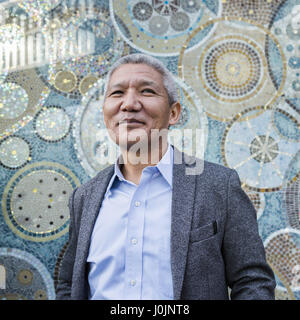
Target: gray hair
138, 58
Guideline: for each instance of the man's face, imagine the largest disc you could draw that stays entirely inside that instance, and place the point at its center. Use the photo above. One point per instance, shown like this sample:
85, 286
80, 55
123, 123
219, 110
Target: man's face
137, 102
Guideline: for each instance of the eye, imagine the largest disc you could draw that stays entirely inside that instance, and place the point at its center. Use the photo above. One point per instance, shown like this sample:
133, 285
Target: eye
116, 92
148, 90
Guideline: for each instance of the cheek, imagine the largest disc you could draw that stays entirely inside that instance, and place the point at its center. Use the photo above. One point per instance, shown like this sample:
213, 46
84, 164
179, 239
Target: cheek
162, 118
157, 114
107, 115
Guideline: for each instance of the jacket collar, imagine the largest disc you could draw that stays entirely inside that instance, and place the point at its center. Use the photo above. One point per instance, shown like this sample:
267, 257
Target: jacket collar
182, 211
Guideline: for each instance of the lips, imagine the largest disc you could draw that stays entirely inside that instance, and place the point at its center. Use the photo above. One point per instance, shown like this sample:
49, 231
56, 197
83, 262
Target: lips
131, 121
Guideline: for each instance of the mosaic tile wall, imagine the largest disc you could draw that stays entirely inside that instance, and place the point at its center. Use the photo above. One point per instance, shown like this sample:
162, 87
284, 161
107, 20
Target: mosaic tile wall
237, 66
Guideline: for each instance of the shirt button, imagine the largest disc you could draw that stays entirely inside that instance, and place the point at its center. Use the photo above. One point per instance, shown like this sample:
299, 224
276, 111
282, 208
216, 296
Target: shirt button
137, 203
134, 241
132, 283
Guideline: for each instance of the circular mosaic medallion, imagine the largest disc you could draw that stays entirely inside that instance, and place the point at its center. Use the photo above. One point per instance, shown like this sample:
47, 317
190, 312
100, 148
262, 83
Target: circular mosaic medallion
180, 21
256, 151
40, 295
269, 145
26, 277
52, 124
86, 83
283, 254
231, 69
191, 5
96, 150
160, 27
230, 72
65, 81
35, 202
15, 152
142, 11
14, 101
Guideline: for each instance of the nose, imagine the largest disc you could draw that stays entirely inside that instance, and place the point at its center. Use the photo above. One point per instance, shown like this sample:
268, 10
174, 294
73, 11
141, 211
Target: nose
130, 101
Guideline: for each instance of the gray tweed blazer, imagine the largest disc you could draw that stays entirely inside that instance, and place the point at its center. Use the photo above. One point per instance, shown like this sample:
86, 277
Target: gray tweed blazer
215, 244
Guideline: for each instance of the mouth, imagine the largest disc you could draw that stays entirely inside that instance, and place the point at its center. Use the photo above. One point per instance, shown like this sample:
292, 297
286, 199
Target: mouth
131, 122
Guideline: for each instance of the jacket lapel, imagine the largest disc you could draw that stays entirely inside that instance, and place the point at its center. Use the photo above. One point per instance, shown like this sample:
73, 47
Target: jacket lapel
182, 211
92, 207
94, 195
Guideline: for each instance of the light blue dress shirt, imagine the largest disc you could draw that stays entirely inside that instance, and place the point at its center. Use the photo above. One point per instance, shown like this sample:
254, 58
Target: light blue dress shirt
129, 255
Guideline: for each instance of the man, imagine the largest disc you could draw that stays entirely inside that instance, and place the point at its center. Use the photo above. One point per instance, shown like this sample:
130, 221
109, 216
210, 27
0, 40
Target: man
144, 228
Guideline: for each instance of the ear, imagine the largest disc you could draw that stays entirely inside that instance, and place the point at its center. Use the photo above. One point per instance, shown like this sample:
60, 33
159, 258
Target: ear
175, 113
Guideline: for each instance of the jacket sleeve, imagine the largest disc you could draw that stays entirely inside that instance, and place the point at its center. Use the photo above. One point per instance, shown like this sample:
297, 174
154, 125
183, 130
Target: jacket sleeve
248, 274
63, 288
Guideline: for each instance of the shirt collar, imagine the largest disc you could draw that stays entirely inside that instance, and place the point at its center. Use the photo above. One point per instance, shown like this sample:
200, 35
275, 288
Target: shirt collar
165, 167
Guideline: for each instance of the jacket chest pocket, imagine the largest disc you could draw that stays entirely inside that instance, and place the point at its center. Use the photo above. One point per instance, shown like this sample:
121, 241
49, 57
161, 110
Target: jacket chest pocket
205, 232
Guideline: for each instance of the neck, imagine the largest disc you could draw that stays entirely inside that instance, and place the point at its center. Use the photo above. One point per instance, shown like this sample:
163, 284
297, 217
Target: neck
135, 162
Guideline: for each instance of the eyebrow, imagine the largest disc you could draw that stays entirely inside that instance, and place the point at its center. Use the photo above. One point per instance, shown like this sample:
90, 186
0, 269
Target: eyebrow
140, 83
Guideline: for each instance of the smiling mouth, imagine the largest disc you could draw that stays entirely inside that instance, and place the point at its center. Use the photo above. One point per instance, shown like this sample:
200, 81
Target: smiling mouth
130, 122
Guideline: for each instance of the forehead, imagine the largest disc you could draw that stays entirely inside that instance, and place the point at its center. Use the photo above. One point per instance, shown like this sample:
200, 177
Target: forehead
135, 73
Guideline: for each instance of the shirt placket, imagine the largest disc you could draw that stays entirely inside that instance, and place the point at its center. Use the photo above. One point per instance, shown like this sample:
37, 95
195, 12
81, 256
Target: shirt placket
134, 241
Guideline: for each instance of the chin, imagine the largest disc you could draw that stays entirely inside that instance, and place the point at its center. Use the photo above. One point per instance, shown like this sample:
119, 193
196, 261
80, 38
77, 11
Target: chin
136, 145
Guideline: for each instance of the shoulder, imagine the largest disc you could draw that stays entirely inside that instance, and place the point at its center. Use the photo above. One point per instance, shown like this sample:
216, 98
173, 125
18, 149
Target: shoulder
207, 167
219, 177
216, 170
209, 172
101, 178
